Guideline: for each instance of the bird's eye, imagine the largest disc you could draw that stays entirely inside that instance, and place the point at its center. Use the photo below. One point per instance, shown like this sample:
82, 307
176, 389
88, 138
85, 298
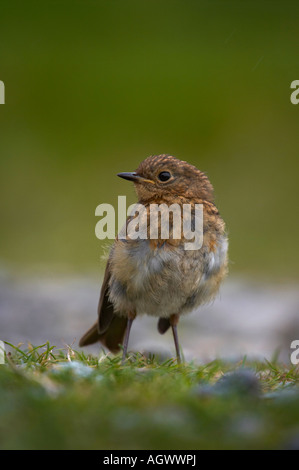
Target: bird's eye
164, 176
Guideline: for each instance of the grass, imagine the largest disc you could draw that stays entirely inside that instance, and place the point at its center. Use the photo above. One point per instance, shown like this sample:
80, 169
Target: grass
65, 399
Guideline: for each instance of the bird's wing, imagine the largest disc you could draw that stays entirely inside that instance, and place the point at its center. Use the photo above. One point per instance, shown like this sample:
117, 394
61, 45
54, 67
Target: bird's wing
105, 307
109, 328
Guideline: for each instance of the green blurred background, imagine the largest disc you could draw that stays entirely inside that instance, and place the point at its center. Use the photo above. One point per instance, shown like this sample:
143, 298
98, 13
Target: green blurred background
94, 87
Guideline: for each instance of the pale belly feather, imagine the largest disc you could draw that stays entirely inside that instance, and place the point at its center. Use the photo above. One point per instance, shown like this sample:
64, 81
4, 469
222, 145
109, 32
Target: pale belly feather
164, 280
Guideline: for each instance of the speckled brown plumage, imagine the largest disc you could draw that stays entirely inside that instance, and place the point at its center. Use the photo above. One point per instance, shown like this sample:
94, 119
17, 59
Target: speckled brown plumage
159, 277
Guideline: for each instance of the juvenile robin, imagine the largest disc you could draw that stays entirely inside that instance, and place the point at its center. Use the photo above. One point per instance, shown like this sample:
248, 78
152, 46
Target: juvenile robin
159, 277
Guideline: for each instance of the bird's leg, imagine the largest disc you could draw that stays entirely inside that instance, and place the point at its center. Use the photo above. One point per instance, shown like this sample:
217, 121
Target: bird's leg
131, 318
174, 319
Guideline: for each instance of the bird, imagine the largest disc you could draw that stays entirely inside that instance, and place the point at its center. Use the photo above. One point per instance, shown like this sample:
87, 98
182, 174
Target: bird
159, 277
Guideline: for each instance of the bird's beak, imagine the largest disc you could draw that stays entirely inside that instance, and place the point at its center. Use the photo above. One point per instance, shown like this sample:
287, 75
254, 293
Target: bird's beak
132, 176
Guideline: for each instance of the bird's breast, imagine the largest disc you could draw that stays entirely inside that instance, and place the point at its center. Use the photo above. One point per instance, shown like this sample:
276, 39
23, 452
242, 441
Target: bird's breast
161, 279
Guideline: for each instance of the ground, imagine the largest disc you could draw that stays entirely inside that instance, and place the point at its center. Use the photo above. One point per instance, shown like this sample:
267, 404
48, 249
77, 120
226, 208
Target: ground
64, 399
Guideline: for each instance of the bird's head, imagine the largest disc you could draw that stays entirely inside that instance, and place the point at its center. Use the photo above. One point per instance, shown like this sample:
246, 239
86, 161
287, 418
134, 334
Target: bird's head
165, 176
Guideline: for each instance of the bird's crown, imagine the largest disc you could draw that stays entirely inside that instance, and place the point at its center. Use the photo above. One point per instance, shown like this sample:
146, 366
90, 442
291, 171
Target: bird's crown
165, 176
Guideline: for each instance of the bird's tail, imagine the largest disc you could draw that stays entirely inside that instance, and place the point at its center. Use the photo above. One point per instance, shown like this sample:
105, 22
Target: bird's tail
163, 325
112, 338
